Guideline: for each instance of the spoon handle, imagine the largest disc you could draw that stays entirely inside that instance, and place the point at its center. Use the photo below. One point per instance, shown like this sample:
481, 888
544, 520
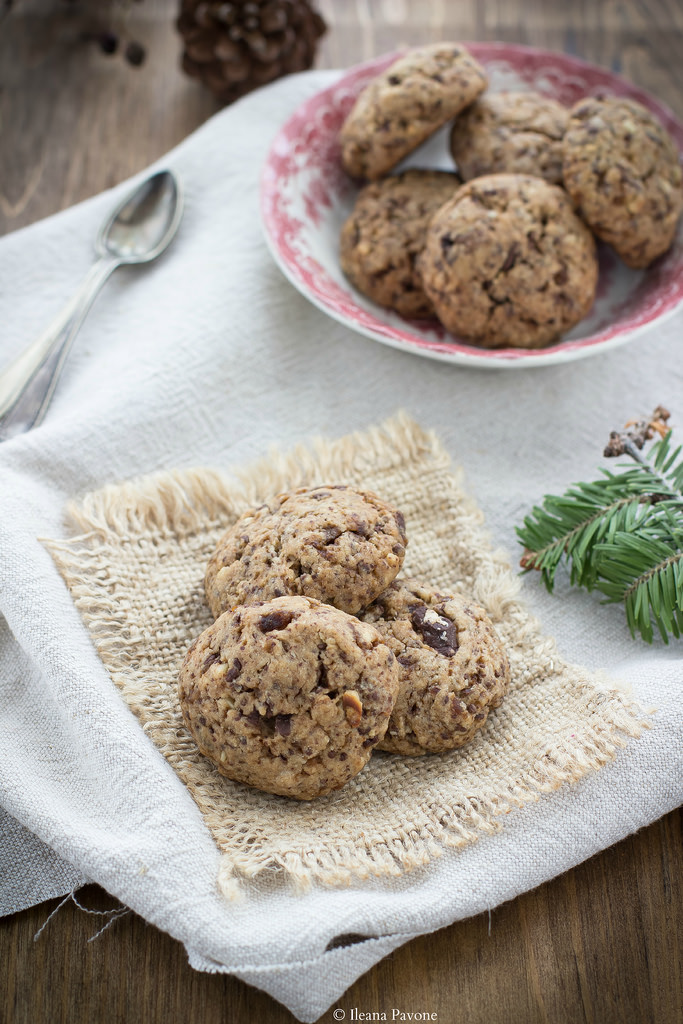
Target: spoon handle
28, 383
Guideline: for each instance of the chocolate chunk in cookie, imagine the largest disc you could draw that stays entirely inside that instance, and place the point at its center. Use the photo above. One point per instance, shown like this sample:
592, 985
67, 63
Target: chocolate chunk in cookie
385, 232
335, 544
622, 169
507, 262
453, 668
406, 104
515, 132
291, 696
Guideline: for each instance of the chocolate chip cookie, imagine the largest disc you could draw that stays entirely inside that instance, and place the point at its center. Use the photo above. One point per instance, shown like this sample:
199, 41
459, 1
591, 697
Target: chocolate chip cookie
290, 696
622, 169
406, 104
335, 544
516, 132
507, 262
452, 667
385, 232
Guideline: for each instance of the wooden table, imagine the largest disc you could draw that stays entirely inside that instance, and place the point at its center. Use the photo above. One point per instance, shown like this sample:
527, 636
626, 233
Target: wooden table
601, 944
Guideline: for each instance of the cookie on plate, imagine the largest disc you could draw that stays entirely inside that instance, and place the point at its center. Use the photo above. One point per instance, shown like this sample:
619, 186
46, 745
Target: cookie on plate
453, 668
622, 169
516, 132
290, 696
507, 262
335, 544
386, 230
407, 103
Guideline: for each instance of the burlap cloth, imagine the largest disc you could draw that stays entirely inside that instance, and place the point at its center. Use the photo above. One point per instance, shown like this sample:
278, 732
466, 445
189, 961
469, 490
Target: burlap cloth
136, 571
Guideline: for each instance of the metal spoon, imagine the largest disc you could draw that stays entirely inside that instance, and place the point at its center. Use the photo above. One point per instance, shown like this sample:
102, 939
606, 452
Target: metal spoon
138, 230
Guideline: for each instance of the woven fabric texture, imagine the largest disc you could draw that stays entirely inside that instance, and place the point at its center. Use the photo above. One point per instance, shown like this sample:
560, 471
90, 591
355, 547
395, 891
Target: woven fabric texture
136, 572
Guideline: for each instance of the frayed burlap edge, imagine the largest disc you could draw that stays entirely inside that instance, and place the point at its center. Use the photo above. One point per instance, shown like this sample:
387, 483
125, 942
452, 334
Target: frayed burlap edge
182, 503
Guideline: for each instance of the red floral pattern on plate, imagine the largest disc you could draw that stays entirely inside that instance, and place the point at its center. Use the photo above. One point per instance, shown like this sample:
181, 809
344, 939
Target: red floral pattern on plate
305, 197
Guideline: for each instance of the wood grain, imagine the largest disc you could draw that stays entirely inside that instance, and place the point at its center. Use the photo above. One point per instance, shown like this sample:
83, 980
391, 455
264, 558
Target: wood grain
602, 944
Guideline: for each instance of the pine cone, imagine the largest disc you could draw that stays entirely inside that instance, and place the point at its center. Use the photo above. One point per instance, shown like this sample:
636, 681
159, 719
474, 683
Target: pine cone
235, 47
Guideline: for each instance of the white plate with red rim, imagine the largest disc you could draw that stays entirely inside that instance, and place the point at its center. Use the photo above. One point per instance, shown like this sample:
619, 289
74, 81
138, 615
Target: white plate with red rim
306, 196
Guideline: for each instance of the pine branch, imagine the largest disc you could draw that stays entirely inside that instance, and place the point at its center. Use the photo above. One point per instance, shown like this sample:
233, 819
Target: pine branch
621, 534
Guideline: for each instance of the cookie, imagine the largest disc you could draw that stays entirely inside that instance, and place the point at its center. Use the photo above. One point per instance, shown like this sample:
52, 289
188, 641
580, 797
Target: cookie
453, 668
290, 696
385, 232
507, 262
334, 544
622, 169
515, 132
407, 103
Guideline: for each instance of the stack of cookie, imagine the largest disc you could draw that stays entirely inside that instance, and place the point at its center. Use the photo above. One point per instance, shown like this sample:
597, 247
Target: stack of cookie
319, 655
503, 251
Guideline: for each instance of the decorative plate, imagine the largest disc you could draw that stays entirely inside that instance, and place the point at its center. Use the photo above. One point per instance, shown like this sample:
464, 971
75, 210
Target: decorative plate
306, 196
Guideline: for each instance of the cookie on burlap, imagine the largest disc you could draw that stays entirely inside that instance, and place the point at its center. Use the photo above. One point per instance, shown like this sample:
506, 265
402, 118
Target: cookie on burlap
290, 696
335, 544
453, 668
516, 132
622, 169
507, 262
386, 230
407, 103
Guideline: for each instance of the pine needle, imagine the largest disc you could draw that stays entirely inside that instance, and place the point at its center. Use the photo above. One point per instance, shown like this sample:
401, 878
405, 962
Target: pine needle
621, 534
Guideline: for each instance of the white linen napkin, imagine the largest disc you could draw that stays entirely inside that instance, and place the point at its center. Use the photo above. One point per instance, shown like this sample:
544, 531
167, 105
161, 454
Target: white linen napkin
211, 357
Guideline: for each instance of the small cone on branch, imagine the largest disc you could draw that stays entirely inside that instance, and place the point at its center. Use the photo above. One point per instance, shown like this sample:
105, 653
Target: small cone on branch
234, 47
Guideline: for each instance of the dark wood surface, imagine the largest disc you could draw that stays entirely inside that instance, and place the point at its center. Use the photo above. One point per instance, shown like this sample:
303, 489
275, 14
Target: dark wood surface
602, 944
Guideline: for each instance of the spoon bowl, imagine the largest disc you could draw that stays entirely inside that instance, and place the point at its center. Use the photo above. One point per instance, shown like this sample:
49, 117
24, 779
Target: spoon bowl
140, 228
